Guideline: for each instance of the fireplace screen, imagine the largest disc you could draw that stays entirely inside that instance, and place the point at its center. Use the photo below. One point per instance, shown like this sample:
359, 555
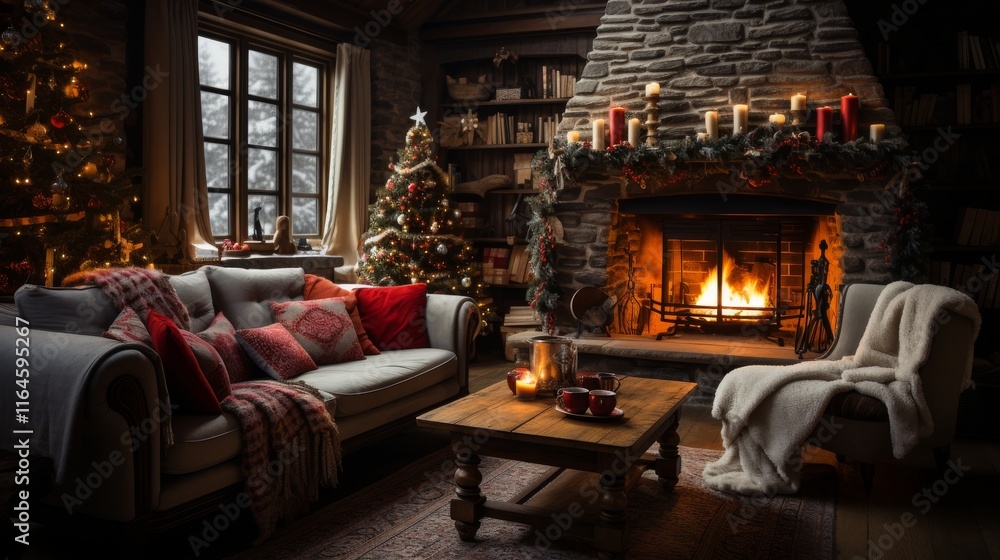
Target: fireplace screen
723, 275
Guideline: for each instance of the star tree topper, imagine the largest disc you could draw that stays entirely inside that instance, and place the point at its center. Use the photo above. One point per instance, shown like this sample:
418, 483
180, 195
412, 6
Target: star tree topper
418, 118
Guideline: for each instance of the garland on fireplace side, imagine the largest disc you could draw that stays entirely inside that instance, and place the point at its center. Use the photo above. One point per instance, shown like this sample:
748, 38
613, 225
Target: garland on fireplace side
751, 161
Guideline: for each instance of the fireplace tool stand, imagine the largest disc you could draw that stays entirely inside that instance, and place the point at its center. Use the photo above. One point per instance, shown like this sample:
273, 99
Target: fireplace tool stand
817, 335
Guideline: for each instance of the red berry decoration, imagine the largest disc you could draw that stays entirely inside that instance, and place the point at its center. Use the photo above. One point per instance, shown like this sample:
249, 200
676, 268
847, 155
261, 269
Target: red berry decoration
108, 161
60, 119
412, 187
94, 203
41, 201
390, 185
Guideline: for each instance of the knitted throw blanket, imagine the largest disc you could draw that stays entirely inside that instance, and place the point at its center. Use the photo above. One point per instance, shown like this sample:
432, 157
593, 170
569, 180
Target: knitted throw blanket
290, 447
141, 289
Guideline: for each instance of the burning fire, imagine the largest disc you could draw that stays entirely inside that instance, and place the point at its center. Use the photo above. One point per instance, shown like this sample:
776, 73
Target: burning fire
740, 288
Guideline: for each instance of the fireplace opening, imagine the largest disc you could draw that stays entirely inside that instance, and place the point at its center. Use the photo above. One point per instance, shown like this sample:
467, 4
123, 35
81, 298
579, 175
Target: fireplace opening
731, 275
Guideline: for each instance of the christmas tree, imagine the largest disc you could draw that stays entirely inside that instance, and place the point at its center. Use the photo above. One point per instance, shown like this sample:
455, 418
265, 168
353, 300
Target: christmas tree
414, 233
63, 207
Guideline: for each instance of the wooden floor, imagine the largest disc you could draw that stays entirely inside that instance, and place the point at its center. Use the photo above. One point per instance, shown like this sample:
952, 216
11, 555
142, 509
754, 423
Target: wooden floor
911, 513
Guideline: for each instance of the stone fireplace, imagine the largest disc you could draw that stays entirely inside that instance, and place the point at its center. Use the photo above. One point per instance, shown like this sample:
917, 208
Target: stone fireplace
710, 55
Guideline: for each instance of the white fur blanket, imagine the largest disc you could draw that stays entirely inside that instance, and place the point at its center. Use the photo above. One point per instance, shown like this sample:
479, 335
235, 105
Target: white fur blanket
768, 412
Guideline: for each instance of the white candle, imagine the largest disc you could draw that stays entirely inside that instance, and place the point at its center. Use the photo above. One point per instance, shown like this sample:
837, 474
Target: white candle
877, 132
525, 387
598, 140
652, 88
740, 113
702, 137
633, 132
29, 99
798, 102
712, 124
573, 136
777, 119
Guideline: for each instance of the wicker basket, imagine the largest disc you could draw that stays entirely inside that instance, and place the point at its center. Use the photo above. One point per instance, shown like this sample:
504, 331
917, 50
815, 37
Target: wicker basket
461, 90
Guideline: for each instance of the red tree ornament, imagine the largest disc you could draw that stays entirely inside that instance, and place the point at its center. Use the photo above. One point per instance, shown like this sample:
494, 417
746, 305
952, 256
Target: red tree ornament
60, 119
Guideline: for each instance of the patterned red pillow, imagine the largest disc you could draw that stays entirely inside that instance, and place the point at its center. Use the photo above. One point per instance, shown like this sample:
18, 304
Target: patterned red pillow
323, 327
128, 327
222, 336
186, 383
275, 350
212, 364
317, 287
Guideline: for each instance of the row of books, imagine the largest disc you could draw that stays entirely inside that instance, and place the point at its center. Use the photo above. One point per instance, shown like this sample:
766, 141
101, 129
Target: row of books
978, 226
979, 280
521, 316
502, 128
557, 85
506, 265
976, 52
962, 106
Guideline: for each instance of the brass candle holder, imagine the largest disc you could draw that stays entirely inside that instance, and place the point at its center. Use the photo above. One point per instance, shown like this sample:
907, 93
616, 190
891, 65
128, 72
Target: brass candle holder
652, 119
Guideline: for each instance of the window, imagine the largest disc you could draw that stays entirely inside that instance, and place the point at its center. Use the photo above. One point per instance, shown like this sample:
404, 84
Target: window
264, 121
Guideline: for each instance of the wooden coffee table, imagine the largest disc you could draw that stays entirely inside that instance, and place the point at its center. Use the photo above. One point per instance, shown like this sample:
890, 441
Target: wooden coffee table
493, 423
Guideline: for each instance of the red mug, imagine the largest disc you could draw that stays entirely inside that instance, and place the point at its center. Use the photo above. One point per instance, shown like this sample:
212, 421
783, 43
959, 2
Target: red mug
573, 399
608, 381
588, 380
602, 403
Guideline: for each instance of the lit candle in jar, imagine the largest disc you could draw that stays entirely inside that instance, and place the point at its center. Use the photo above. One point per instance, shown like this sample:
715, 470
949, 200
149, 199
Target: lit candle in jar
877, 132
598, 140
526, 388
633, 132
798, 102
712, 124
652, 88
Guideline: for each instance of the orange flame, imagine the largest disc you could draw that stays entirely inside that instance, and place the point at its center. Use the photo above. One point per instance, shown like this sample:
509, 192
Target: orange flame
739, 289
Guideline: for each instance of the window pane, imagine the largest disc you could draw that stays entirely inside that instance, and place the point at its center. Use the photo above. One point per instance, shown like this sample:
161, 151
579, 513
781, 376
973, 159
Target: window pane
305, 173
262, 75
218, 204
305, 127
268, 213
305, 216
217, 165
215, 115
262, 170
213, 63
306, 84
262, 124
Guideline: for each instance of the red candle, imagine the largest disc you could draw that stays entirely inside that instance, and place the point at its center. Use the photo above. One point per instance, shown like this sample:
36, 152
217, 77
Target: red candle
849, 116
616, 119
824, 121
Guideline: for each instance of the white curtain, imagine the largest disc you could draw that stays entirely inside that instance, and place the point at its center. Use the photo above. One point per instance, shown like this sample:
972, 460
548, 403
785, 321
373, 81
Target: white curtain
173, 156
350, 155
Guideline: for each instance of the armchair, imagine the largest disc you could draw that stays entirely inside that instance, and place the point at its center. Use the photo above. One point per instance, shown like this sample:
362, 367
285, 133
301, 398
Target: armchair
861, 423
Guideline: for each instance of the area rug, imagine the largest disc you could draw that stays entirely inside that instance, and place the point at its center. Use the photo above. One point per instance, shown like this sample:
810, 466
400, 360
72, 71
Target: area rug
407, 516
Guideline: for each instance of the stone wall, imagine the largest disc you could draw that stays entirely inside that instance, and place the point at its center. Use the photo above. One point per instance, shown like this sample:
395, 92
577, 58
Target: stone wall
712, 54
396, 88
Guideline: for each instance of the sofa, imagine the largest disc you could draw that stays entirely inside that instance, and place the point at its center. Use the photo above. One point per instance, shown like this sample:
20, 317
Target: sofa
114, 467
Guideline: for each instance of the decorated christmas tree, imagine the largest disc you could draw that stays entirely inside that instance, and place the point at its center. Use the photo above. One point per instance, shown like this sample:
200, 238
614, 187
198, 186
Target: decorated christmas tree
63, 207
414, 232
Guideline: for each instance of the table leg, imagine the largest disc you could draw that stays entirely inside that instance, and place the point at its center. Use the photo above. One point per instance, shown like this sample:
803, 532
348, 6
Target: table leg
668, 461
467, 507
610, 535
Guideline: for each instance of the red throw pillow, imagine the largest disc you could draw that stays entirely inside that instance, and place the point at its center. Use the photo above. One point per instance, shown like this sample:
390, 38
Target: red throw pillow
222, 336
317, 287
212, 365
322, 327
128, 327
275, 350
395, 317
186, 383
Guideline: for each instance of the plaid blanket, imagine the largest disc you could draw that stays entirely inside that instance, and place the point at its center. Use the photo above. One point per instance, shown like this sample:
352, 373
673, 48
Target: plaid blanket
141, 289
290, 448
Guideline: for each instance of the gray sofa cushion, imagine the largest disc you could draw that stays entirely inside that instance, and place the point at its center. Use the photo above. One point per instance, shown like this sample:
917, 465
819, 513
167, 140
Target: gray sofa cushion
83, 310
377, 380
195, 293
243, 296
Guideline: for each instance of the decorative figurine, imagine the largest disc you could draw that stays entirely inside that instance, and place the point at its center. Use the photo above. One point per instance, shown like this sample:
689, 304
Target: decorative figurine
258, 230
283, 243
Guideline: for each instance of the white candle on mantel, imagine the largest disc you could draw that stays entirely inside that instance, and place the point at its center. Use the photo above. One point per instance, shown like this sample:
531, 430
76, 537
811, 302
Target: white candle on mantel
712, 124
799, 102
573, 136
777, 120
598, 140
652, 88
877, 132
633, 132
740, 114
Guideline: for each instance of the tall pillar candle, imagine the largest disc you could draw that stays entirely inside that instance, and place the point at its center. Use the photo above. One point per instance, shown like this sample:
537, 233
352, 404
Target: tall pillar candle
598, 139
616, 122
633, 132
798, 102
824, 122
849, 117
740, 115
712, 125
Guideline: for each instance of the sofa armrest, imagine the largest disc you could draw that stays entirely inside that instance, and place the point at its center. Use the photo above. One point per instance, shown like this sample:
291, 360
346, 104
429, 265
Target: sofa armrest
94, 409
453, 322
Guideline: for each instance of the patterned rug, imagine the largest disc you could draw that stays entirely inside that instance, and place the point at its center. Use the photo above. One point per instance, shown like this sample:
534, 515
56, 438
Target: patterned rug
407, 516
